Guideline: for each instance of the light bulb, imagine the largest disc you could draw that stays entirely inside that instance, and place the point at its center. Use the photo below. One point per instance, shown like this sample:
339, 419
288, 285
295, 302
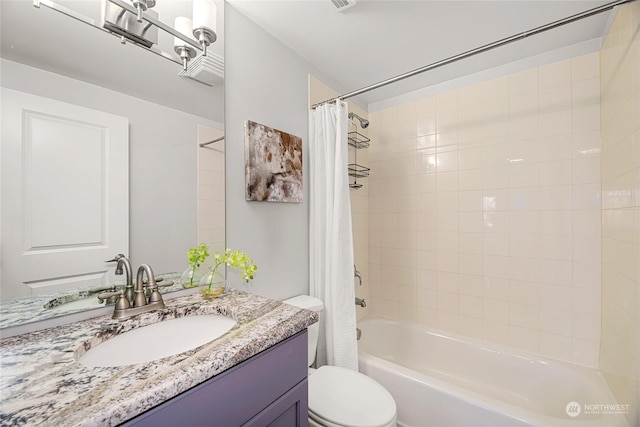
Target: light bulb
204, 14
185, 26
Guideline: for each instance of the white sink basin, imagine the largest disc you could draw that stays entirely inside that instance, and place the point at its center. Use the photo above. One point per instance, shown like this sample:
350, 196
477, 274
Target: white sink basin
157, 340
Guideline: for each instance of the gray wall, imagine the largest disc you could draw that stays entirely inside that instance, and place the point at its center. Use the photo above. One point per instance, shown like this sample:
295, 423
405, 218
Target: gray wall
163, 170
265, 82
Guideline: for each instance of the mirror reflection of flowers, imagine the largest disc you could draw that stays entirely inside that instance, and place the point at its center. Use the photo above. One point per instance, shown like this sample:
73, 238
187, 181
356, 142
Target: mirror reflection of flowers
238, 260
196, 257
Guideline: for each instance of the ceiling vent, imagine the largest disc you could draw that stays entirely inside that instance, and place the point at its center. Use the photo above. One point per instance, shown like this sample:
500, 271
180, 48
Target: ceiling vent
343, 4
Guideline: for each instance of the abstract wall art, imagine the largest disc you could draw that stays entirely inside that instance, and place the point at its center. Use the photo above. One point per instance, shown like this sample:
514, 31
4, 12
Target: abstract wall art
273, 164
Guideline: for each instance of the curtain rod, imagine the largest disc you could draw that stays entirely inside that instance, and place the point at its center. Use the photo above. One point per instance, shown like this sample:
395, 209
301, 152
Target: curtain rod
211, 142
481, 49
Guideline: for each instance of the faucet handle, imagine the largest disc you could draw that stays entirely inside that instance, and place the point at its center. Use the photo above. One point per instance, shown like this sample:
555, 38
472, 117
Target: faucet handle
122, 301
165, 284
145, 282
106, 295
357, 274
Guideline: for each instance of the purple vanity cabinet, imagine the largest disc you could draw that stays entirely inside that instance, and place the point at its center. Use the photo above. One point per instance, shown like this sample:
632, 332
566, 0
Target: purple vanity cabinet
269, 389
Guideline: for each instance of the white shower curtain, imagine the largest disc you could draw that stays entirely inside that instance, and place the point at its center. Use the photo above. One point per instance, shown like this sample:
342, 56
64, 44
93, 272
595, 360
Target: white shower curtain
331, 239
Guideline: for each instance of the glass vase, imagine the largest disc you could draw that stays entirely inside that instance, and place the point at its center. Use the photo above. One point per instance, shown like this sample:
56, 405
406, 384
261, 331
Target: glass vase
191, 278
212, 284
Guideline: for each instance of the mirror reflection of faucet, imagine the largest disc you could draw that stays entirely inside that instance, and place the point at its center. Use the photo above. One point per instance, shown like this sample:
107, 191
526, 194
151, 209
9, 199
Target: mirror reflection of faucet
123, 261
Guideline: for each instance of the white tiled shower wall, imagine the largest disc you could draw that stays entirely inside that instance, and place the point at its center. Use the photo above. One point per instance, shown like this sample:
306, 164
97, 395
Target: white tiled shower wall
484, 210
620, 350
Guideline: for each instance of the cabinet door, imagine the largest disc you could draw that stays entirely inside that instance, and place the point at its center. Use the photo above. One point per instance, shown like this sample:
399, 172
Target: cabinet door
290, 410
237, 395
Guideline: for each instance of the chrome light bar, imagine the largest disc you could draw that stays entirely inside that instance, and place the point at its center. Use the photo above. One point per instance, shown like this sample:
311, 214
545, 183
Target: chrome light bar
125, 34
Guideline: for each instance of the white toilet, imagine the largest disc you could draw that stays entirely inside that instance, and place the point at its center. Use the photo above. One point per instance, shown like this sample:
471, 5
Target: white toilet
340, 397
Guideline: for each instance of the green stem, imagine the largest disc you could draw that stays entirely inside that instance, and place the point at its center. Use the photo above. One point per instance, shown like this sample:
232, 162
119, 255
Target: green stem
213, 271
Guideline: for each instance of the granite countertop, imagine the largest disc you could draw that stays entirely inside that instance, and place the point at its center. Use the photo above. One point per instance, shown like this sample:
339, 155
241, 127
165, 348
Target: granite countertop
42, 384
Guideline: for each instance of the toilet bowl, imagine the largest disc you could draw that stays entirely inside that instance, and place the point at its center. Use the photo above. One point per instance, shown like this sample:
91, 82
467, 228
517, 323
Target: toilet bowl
340, 397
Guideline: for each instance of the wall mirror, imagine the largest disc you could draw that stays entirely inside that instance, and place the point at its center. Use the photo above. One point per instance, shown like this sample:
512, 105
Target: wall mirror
174, 191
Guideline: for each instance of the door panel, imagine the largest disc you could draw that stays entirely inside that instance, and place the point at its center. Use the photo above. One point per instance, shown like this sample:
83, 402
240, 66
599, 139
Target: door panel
64, 194
51, 179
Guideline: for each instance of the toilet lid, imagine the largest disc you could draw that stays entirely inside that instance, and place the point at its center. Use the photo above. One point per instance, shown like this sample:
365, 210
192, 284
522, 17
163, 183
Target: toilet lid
348, 398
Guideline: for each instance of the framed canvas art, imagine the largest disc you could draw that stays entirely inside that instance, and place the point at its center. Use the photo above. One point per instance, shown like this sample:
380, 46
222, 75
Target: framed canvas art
273, 164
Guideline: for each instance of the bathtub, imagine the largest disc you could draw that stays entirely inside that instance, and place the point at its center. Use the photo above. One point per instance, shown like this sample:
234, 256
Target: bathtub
440, 379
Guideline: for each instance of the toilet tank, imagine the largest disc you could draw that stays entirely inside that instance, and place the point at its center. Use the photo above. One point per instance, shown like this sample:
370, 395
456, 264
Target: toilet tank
314, 304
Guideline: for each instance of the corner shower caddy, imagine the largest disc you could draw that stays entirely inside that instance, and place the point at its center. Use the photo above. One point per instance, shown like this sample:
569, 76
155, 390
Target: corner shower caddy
357, 141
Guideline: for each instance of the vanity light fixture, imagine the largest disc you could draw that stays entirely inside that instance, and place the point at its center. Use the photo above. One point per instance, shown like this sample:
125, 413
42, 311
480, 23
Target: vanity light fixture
202, 27
204, 23
135, 21
186, 52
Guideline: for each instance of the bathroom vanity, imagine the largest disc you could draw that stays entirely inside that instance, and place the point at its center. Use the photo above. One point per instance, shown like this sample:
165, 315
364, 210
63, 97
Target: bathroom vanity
268, 389
253, 375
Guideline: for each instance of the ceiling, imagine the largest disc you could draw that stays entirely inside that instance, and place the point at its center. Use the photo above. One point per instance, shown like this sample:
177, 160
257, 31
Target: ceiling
44, 38
375, 39
370, 42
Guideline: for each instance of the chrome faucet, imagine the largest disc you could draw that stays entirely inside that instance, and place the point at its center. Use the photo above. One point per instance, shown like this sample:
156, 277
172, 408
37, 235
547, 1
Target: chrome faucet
124, 309
124, 261
361, 302
357, 274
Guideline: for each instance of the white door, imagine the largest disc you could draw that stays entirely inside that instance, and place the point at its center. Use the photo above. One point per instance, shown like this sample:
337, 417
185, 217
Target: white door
64, 194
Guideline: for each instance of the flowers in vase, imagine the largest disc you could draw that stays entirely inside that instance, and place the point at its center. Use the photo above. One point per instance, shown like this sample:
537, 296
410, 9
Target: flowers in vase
238, 260
196, 256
